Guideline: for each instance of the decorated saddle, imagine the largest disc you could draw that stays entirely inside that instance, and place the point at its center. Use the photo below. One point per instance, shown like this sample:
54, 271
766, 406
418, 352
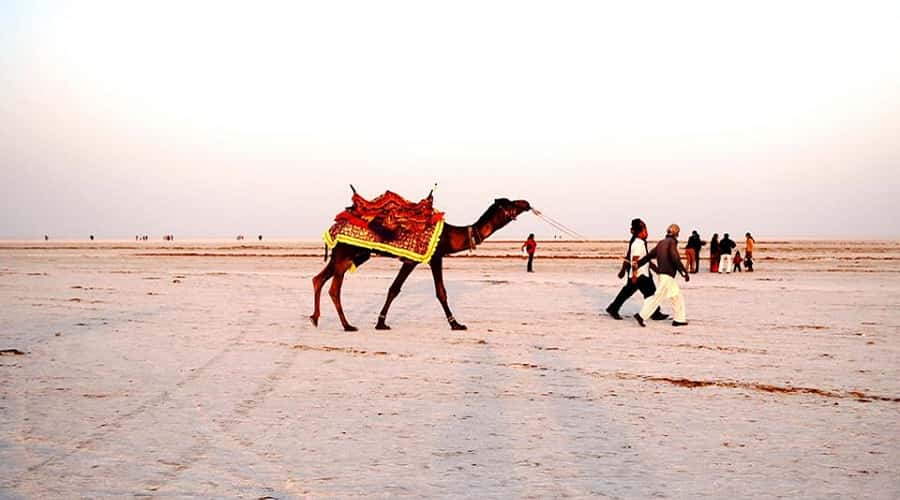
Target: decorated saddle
390, 224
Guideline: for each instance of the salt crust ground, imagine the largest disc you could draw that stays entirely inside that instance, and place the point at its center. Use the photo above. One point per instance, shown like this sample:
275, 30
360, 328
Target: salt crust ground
148, 374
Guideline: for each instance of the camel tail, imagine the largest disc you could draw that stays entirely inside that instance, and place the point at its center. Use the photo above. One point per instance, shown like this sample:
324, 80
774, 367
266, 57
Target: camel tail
326, 253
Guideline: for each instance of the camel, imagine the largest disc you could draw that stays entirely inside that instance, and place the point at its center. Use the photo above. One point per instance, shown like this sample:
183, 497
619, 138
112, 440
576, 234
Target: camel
453, 239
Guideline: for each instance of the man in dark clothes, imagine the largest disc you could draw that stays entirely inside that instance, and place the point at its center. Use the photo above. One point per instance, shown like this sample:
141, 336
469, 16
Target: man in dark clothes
669, 262
641, 277
692, 252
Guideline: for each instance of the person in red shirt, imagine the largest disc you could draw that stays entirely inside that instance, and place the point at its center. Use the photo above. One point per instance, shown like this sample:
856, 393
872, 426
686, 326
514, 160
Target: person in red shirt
737, 261
530, 246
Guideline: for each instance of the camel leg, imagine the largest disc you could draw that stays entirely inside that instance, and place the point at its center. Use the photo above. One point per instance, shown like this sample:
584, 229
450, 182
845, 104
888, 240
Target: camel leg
318, 282
340, 267
437, 271
393, 292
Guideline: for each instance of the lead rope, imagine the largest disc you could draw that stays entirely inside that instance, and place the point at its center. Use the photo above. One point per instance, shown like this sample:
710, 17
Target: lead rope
571, 233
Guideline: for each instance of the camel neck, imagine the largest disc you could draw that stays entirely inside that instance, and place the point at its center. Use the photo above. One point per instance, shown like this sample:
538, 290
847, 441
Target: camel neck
473, 238
480, 232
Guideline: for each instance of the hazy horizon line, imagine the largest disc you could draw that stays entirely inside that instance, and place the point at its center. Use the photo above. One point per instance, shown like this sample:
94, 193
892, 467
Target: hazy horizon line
314, 239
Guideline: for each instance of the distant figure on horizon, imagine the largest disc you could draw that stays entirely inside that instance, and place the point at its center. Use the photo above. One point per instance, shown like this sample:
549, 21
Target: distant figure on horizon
530, 246
92, 237
748, 252
737, 261
714, 253
640, 277
692, 252
46, 238
669, 263
260, 237
726, 246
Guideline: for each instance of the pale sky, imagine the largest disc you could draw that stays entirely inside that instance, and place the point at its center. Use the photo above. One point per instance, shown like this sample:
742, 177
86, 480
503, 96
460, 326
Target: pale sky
211, 119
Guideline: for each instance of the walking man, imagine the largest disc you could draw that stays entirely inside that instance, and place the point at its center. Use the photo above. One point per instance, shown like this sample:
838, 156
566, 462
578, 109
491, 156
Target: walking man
640, 277
669, 262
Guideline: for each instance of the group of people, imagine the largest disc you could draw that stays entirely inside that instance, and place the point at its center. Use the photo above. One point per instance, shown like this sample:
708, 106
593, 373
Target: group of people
721, 259
668, 262
638, 264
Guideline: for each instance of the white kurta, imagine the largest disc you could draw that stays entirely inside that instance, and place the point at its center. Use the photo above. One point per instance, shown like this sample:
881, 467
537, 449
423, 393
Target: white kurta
639, 249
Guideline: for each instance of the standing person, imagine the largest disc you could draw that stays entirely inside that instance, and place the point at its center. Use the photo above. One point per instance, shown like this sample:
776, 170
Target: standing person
692, 252
748, 252
737, 261
530, 246
640, 277
725, 248
669, 262
714, 253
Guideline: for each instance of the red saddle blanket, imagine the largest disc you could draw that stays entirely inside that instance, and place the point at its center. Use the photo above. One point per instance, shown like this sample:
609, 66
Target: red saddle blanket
389, 223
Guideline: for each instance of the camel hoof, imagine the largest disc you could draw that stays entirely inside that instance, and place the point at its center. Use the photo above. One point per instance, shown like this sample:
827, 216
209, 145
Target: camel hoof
382, 326
350, 328
314, 320
458, 326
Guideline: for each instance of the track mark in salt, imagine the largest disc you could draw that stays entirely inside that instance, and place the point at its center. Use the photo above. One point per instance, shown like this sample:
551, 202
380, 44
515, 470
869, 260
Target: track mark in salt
529, 366
733, 384
723, 348
346, 350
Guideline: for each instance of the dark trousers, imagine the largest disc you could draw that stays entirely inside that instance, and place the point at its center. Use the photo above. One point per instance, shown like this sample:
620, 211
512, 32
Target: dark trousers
644, 284
530, 261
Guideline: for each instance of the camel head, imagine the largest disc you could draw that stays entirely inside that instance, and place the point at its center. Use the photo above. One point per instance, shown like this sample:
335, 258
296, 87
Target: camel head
501, 213
511, 209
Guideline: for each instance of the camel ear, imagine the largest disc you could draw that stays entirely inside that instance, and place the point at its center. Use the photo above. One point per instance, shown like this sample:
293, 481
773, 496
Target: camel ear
353, 188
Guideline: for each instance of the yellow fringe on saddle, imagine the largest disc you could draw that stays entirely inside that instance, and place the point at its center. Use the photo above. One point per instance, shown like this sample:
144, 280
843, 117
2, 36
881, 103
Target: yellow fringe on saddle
331, 241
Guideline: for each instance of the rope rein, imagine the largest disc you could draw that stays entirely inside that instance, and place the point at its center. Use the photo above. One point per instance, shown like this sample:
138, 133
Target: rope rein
571, 233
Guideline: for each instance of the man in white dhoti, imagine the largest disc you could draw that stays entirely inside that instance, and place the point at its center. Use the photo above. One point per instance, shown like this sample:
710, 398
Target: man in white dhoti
669, 262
